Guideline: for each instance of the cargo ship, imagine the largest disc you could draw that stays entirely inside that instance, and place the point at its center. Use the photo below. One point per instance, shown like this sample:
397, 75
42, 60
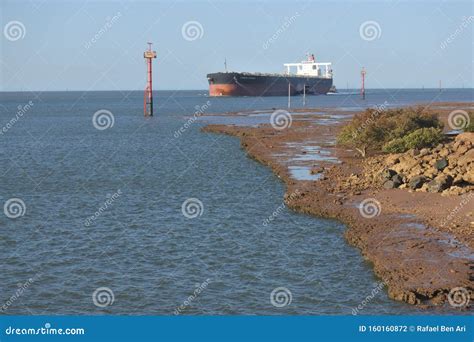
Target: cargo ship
310, 78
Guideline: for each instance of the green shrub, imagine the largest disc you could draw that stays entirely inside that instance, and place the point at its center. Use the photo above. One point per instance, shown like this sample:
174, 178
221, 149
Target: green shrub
372, 129
397, 145
470, 127
422, 137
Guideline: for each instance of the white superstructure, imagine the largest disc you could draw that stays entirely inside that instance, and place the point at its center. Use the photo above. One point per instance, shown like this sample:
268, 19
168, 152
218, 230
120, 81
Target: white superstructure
310, 68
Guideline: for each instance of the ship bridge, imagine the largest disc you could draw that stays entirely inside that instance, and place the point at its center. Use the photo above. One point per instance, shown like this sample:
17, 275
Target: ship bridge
310, 68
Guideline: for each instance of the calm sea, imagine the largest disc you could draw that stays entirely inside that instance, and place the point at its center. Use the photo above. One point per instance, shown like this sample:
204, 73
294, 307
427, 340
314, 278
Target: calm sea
93, 218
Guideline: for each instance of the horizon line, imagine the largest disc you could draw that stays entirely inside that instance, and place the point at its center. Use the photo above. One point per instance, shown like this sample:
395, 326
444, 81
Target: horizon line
206, 90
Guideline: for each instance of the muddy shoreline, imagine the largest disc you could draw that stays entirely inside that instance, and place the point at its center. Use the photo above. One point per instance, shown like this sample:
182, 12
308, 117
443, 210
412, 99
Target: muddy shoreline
419, 260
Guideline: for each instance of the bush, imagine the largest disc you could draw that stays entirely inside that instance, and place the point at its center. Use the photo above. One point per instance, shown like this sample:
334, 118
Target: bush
395, 146
422, 137
372, 129
470, 127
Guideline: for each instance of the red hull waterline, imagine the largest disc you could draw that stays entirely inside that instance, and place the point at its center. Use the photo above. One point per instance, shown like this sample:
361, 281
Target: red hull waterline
223, 90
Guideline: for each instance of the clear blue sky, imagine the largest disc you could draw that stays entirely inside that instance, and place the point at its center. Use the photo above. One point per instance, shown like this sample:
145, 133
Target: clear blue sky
56, 52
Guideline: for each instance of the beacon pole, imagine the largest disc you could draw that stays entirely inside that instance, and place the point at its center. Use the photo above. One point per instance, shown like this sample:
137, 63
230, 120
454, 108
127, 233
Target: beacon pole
148, 96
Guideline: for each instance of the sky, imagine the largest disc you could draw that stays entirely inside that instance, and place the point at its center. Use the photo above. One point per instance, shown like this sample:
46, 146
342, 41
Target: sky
98, 45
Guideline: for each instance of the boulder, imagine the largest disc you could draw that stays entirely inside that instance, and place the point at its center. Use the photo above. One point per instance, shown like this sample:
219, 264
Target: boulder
390, 185
416, 182
397, 180
431, 172
424, 152
466, 158
468, 176
388, 173
466, 137
415, 171
440, 183
441, 164
462, 149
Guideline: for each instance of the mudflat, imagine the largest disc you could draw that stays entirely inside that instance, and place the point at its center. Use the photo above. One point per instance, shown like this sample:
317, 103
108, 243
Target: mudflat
420, 243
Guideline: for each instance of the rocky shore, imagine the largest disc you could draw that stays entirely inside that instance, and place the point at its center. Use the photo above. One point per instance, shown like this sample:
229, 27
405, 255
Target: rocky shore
448, 168
410, 214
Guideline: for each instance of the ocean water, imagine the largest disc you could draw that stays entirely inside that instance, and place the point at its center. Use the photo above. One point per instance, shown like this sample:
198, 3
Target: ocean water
93, 219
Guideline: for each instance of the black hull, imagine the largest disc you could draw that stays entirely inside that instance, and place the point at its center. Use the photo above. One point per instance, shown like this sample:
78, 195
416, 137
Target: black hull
245, 84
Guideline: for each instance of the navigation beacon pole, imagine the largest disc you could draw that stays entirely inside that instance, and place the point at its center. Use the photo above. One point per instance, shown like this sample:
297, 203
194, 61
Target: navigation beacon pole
148, 97
362, 89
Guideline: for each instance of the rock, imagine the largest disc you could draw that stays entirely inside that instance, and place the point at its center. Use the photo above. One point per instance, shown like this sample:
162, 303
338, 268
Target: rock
468, 177
397, 180
388, 173
444, 152
416, 182
440, 183
408, 162
447, 168
461, 150
454, 190
431, 172
466, 137
434, 186
392, 160
466, 158
424, 152
458, 180
416, 170
316, 170
441, 164
390, 185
